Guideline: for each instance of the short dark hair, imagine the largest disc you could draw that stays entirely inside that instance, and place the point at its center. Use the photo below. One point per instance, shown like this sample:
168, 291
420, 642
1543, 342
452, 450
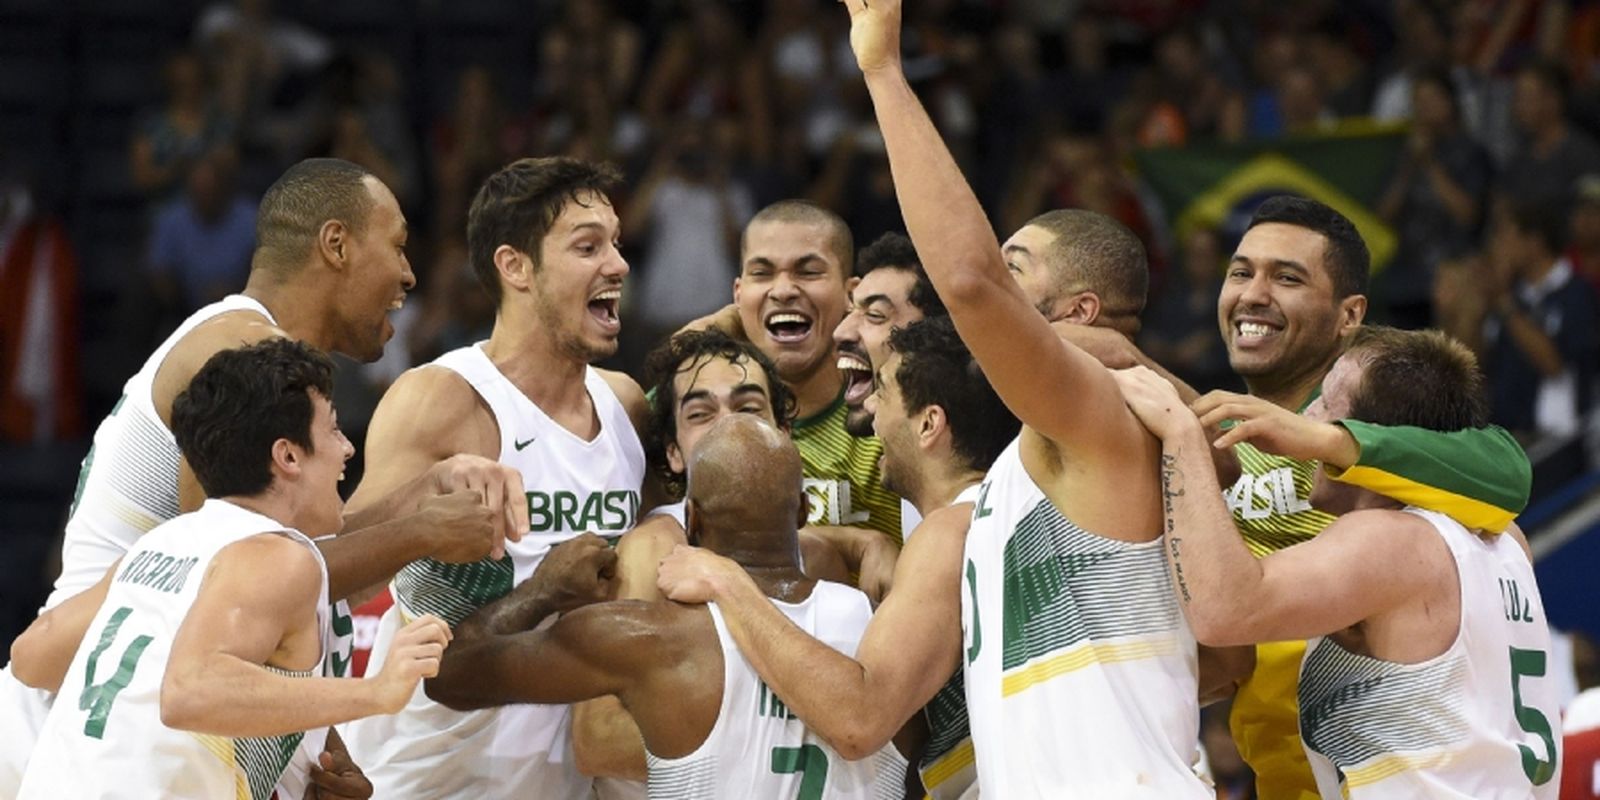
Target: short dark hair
894, 251
806, 212
936, 369
1109, 258
1544, 219
1424, 379
296, 205
517, 205
241, 402
1347, 258
662, 367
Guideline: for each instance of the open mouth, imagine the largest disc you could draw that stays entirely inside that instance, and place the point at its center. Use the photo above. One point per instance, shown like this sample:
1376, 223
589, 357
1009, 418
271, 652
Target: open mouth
788, 327
857, 377
603, 307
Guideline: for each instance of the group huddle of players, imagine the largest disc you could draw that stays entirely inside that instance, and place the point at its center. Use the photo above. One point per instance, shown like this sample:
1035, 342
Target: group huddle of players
605, 592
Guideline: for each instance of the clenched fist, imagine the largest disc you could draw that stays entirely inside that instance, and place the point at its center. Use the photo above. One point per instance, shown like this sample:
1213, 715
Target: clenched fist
413, 655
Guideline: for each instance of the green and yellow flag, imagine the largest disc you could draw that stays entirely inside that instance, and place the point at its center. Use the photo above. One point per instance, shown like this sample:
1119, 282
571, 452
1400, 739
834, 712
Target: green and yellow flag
1219, 185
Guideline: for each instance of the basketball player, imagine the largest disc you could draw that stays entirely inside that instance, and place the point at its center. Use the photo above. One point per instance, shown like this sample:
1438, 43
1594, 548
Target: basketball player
1293, 296
542, 237
790, 295
201, 676
941, 426
1080, 669
1428, 674
329, 265
712, 728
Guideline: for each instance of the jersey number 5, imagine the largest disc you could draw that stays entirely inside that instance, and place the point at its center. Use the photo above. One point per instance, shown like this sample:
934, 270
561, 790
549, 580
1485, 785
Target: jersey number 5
97, 698
809, 761
1530, 663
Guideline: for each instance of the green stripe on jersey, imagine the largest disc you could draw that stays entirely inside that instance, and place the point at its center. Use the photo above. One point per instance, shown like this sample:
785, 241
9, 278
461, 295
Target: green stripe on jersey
452, 591
1271, 500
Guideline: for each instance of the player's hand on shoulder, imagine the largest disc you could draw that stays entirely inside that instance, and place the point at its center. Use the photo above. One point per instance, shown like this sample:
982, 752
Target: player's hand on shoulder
692, 574
466, 529
499, 489
725, 319
413, 656
1153, 400
575, 573
1274, 429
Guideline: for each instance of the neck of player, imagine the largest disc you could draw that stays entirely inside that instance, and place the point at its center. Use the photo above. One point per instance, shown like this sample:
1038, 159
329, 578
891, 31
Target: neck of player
1292, 390
815, 392
530, 358
936, 491
300, 319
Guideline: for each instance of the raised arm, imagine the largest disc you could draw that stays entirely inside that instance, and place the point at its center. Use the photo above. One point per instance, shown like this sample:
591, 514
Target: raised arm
910, 649
216, 681
1027, 363
1354, 569
41, 655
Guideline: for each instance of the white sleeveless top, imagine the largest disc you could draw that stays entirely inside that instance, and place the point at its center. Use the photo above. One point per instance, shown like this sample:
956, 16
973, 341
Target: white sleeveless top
129, 480
572, 486
1081, 670
1481, 720
948, 767
104, 739
758, 748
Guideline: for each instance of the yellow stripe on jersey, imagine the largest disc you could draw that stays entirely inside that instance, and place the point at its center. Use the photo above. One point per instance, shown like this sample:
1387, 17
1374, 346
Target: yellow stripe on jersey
222, 748
1079, 657
1392, 765
1473, 513
949, 765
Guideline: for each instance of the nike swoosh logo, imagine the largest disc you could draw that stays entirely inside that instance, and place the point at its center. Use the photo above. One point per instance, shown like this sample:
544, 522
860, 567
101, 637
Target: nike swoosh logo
520, 445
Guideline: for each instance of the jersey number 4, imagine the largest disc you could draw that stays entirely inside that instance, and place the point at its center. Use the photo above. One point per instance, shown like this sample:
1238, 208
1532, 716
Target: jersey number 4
97, 698
809, 761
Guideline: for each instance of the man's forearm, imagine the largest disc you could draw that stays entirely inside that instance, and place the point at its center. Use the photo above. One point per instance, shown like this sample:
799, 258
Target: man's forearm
826, 689
368, 557
228, 696
522, 610
1212, 570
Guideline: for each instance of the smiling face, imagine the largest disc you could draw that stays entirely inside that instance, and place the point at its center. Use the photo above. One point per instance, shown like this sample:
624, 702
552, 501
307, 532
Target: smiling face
896, 428
1277, 309
377, 277
577, 283
791, 295
321, 470
708, 389
879, 304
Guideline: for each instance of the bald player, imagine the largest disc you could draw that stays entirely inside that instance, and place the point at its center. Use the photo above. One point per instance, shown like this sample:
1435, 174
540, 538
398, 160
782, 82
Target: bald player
1081, 671
328, 267
711, 727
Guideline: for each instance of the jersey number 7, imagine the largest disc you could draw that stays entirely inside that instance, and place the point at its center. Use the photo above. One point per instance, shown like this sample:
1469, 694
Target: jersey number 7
809, 761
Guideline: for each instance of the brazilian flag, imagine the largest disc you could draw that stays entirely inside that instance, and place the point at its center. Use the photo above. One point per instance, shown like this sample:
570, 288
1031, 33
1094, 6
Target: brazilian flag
1219, 186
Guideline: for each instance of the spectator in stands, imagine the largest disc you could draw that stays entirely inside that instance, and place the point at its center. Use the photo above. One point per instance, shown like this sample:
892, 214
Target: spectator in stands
1347, 84
702, 70
1180, 330
1434, 200
255, 52
468, 145
202, 241
167, 141
1422, 42
1584, 248
1543, 330
1552, 151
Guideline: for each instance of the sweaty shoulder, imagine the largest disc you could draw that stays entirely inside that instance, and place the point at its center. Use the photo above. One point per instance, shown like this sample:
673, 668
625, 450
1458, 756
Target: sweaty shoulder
223, 332
948, 523
631, 396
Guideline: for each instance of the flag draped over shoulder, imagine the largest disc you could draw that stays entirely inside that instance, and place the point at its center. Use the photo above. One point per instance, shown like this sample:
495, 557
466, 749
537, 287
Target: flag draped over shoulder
1219, 186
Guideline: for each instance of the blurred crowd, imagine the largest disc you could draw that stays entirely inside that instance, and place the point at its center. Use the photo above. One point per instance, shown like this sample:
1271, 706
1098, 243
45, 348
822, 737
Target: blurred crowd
715, 108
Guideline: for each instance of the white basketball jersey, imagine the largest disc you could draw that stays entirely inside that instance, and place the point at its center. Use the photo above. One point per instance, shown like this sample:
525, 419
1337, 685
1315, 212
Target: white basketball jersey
758, 748
1080, 668
948, 767
572, 486
104, 739
1481, 721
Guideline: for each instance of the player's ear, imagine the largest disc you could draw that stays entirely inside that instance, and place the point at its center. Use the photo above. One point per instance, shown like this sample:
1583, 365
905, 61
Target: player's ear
932, 422
286, 457
1083, 309
675, 458
333, 241
514, 266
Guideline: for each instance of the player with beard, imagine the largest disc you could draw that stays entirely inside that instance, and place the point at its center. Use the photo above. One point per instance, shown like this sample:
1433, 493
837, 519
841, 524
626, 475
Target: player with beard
328, 267
543, 239
891, 291
942, 426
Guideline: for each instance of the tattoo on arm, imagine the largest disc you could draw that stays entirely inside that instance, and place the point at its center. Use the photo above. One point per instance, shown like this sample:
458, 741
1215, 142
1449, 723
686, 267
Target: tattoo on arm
1172, 487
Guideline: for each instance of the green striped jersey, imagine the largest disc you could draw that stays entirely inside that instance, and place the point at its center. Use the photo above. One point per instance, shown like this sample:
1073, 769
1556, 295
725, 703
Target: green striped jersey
842, 477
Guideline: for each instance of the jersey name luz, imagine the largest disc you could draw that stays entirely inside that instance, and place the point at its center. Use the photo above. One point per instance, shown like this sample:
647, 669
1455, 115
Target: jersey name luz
758, 748
1480, 721
1080, 668
842, 478
571, 486
104, 737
